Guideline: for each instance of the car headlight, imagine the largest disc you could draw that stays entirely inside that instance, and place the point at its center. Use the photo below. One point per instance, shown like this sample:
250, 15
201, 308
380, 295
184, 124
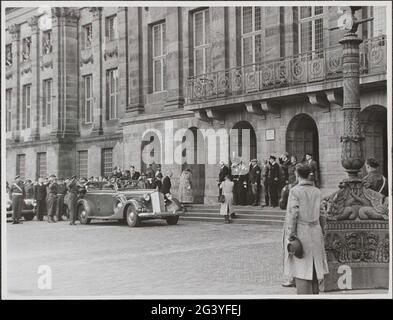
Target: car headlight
119, 204
146, 197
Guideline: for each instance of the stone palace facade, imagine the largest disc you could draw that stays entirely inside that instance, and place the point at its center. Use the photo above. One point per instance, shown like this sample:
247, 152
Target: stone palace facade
84, 84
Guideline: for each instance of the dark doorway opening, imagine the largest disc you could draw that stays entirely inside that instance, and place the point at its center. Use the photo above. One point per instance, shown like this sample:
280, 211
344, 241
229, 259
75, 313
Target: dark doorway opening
302, 137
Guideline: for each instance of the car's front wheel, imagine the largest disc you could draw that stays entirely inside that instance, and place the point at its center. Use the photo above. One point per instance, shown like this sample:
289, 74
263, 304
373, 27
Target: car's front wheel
172, 220
131, 217
83, 216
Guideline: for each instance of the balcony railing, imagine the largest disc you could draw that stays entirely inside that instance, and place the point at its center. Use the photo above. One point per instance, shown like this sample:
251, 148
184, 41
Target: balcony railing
304, 68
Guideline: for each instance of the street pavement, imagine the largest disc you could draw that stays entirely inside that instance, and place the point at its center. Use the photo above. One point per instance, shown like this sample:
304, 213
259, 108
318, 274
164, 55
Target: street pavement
110, 259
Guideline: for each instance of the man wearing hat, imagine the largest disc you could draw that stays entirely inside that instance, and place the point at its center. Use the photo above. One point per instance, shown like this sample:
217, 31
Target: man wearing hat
72, 187
304, 247
255, 180
314, 175
17, 195
273, 181
40, 197
374, 179
52, 198
61, 192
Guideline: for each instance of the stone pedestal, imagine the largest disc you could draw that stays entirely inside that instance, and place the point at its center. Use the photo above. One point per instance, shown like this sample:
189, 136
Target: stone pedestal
358, 255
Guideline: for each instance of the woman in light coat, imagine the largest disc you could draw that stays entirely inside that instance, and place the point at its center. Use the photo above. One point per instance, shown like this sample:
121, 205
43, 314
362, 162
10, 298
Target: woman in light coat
303, 220
185, 188
227, 206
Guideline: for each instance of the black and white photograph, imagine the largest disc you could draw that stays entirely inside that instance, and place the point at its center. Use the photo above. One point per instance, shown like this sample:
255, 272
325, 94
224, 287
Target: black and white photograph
196, 150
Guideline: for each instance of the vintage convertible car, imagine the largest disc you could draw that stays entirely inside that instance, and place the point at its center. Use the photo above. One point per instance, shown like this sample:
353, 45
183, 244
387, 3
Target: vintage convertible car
131, 205
28, 211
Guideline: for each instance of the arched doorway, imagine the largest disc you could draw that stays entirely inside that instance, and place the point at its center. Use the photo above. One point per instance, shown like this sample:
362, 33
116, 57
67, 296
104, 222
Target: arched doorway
192, 150
302, 137
373, 123
245, 134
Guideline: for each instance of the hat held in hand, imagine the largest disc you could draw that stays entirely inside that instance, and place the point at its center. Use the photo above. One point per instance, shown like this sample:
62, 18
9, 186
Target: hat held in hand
295, 247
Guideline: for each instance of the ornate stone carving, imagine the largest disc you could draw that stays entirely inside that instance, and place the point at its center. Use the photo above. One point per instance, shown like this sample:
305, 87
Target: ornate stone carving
214, 115
355, 201
14, 30
96, 12
26, 70
47, 64
270, 107
357, 246
255, 109
33, 23
110, 53
8, 75
87, 60
318, 100
67, 13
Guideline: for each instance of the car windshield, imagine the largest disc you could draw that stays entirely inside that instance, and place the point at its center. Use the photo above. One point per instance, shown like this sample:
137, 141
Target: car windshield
111, 185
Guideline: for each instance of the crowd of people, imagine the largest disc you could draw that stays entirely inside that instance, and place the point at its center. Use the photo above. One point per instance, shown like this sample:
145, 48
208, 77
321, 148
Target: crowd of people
54, 194
255, 180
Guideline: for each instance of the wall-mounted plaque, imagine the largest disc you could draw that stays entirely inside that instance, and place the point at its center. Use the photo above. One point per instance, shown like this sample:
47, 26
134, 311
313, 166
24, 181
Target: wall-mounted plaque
269, 134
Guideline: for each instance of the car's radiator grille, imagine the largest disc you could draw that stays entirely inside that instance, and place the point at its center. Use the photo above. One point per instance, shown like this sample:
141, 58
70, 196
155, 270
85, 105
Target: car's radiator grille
157, 201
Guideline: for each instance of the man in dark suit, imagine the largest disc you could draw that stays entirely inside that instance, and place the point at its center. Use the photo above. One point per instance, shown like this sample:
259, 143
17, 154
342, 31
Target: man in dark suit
61, 192
166, 184
314, 176
224, 171
134, 174
255, 180
273, 181
40, 197
52, 198
17, 195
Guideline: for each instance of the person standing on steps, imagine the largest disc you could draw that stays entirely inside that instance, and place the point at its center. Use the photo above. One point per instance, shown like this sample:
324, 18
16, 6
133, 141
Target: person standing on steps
226, 208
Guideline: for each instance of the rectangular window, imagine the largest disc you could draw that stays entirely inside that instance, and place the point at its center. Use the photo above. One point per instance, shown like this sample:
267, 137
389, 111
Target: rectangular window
42, 171
87, 35
377, 27
88, 99
83, 161
111, 28
47, 42
201, 36
26, 48
8, 95
107, 161
159, 54
8, 54
311, 29
251, 35
112, 93
20, 165
47, 103
26, 100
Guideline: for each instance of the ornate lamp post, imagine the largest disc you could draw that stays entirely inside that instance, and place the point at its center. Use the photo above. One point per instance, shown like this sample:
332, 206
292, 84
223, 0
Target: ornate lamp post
357, 230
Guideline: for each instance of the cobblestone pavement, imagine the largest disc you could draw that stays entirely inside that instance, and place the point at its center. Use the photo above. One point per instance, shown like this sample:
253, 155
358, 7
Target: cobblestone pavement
108, 259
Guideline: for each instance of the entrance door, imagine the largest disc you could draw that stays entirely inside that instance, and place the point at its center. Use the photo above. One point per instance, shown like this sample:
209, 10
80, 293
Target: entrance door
302, 137
197, 169
373, 121
244, 128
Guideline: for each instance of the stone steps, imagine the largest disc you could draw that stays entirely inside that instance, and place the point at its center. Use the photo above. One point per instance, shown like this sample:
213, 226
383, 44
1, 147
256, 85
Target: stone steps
243, 215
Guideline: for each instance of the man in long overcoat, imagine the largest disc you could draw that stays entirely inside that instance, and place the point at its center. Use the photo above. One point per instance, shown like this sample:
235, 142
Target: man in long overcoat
303, 221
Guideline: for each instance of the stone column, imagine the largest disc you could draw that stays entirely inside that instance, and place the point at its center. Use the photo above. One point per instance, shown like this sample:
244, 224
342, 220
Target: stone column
122, 18
36, 97
66, 69
98, 80
352, 152
14, 30
174, 65
135, 56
